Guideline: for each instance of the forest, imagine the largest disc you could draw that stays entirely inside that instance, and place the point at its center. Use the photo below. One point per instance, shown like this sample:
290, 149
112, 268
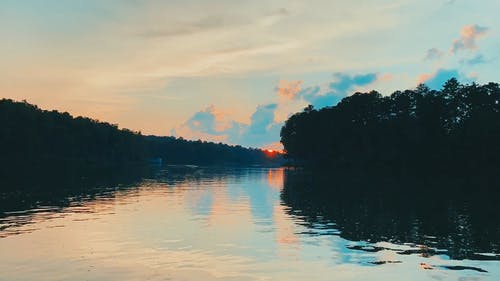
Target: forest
30, 136
455, 130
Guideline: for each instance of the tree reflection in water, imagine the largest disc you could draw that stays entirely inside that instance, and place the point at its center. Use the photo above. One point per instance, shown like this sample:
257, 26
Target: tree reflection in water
435, 215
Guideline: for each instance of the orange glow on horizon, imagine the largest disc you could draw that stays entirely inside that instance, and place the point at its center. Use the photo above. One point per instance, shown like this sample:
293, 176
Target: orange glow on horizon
271, 153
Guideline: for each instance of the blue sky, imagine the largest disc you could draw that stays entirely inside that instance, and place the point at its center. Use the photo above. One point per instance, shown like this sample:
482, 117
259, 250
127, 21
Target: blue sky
233, 71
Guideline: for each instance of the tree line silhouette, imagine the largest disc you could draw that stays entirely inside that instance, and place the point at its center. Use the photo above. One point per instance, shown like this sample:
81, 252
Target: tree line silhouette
180, 151
30, 136
452, 130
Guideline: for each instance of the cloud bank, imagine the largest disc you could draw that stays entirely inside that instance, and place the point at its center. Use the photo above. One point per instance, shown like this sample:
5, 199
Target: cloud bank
469, 35
262, 131
342, 86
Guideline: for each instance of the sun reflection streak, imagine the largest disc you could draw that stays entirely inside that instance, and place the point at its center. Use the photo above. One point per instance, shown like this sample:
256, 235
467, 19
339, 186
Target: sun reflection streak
275, 178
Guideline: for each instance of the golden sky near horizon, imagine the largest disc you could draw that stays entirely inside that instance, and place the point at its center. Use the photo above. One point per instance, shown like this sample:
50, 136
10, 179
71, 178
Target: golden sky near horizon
233, 71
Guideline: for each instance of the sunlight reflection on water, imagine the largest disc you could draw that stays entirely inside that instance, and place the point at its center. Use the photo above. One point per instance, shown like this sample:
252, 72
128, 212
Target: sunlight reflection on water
205, 224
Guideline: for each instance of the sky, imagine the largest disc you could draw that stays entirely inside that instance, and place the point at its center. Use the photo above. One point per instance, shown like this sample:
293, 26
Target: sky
234, 71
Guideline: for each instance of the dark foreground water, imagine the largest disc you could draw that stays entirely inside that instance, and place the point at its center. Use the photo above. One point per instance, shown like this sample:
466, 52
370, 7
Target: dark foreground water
200, 223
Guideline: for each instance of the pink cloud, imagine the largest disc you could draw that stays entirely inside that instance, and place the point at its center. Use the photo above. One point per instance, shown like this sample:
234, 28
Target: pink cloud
422, 78
289, 89
468, 37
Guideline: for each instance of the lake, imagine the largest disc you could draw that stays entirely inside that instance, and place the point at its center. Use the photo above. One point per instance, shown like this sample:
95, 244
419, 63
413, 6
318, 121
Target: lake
226, 223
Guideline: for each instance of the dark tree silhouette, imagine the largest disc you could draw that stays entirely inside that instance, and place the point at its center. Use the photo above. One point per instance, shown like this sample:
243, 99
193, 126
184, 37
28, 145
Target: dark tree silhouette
29, 134
31, 138
454, 130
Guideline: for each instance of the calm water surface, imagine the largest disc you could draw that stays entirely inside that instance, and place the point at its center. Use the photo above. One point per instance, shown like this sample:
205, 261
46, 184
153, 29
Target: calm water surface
199, 223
